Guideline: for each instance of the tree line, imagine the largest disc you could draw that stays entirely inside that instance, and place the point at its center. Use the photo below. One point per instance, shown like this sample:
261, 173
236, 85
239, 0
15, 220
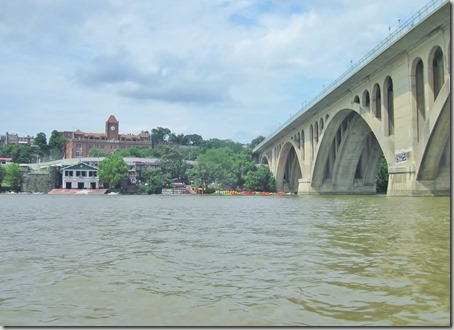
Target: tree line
214, 164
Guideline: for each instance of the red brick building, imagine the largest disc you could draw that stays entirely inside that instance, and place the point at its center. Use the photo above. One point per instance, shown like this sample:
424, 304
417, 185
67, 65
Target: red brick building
81, 143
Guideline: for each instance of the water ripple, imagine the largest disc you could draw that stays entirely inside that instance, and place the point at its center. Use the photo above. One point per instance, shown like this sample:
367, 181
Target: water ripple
213, 260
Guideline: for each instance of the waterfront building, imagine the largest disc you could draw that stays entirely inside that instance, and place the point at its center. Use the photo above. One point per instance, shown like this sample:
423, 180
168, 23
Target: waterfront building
80, 176
80, 143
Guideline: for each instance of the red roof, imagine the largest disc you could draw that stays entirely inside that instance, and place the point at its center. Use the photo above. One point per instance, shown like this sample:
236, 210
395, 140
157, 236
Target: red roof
112, 120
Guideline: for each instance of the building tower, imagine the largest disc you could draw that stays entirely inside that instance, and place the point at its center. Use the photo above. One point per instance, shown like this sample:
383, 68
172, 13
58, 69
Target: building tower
112, 126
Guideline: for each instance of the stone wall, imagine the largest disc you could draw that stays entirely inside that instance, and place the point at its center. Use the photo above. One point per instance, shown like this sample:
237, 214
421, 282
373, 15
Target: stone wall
39, 182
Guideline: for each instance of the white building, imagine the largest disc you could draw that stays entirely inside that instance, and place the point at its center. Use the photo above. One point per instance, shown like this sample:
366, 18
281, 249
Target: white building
80, 176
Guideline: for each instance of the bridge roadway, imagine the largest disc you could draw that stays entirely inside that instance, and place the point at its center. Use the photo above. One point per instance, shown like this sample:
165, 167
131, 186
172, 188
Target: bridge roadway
395, 103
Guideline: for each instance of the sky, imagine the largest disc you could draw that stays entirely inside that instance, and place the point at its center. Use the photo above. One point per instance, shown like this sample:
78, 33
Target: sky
226, 69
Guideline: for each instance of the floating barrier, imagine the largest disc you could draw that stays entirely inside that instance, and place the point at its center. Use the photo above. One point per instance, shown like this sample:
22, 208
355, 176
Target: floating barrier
249, 193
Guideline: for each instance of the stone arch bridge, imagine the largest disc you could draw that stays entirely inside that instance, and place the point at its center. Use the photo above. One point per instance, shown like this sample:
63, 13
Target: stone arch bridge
395, 103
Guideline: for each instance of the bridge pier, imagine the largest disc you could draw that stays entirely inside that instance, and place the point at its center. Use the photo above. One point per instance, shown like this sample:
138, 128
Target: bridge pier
304, 187
402, 182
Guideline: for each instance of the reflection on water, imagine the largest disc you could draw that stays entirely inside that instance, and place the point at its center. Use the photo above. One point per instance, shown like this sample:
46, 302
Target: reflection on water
224, 260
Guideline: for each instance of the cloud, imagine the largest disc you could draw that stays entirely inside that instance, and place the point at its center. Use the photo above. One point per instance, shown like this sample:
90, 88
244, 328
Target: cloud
243, 65
168, 79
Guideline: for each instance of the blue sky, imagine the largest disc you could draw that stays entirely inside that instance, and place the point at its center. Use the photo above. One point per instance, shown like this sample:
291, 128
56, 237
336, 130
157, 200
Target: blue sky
228, 69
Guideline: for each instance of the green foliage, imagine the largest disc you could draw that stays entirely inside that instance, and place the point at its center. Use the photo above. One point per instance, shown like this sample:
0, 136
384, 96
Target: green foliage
96, 152
2, 174
217, 144
140, 152
381, 180
178, 139
190, 153
243, 164
160, 135
20, 154
13, 176
155, 181
172, 163
113, 170
57, 144
194, 139
41, 141
255, 142
214, 166
260, 180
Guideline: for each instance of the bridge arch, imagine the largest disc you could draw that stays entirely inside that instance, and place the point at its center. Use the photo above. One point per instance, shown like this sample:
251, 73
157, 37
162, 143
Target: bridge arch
348, 157
264, 160
289, 169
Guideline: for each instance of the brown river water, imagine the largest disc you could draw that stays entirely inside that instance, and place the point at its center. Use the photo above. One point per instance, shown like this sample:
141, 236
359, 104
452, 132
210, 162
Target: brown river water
224, 260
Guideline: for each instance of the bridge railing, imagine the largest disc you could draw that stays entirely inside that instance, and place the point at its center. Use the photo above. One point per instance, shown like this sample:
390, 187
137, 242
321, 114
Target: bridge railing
403, 29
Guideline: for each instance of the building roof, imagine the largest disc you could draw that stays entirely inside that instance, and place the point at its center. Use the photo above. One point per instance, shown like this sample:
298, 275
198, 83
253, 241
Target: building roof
80, 166
112, 120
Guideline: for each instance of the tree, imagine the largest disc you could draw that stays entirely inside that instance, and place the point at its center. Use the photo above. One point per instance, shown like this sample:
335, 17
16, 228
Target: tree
41, 142
96, 152
19, 154
2, 174
113, 170
381, 180
133, 151
172, 163
243, 163
194, 139
57, 144
178, 139
155, 181
217, 144
214, 166
255, 142
13, 176
260, 179
160, 135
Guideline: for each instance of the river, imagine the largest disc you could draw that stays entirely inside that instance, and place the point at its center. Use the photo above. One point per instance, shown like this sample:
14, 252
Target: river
224, 260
